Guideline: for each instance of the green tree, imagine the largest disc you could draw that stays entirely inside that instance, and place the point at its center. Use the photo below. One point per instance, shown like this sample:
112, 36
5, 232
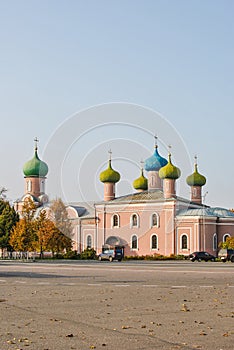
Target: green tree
8, 219
60, 217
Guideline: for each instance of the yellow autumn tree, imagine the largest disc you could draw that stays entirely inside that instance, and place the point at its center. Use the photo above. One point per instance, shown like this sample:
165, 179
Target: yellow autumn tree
23, 236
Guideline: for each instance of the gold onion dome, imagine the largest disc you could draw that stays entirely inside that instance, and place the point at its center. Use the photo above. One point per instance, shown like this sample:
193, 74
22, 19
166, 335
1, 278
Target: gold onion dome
169, 171
109, 175
141, 183
196, 179
35, 167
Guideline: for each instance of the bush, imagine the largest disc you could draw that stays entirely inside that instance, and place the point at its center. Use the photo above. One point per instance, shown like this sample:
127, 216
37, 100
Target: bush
72, 254
155, 257
88, 254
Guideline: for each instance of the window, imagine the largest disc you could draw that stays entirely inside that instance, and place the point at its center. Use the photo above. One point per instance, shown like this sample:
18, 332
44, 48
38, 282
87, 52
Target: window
215, 245
154, 242
134, 220
134, 242
115, 220
225, 237
184, 242
154, 220
29, 186
89, 241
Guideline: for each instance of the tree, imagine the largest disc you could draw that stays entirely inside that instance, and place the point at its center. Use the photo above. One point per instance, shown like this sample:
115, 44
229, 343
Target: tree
3, 191
23, 236
228, 244
45, 232
8, 219
58, 242
60, 217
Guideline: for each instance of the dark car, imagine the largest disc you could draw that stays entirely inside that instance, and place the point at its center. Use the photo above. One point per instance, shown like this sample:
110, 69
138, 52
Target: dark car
199, 256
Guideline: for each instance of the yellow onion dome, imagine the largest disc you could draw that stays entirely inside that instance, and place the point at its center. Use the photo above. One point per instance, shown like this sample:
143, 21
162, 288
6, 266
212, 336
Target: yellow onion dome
196, 179
141, 183
169, 171
109, 175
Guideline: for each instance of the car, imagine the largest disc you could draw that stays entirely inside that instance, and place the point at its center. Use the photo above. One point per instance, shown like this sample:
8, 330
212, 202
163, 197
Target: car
199, 256
111, 254
226, 255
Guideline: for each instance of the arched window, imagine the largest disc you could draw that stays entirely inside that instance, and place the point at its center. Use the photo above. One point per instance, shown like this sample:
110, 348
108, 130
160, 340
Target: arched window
134, 221
134, 242
215, 243
154, 220
154, 242
29, 186
115, 220
184, 242
225, 237
89, 241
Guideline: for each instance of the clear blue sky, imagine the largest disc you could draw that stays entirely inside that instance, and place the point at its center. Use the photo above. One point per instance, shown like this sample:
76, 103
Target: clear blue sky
175, 57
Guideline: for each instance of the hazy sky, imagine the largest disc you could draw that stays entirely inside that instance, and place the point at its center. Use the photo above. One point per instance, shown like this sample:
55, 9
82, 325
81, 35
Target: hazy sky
60, 57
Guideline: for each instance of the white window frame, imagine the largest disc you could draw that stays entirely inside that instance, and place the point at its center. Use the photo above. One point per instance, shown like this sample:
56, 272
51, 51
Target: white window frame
91, 240
151, 220
226, 235
131, 221
181, 241
151, 245
215, 242
112, 221
136, 242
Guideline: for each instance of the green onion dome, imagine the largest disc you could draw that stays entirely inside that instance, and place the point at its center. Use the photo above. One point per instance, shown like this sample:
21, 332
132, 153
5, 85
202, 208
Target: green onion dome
109, 175
141, 183
169, 171
196, 179
35, 167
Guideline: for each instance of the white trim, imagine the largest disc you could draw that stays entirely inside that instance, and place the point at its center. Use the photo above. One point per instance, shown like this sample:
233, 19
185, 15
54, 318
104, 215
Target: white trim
226, 234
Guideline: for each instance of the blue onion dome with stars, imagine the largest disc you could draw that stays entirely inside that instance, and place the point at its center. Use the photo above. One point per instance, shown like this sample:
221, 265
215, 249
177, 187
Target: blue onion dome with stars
196, 179
35, 167
155, 162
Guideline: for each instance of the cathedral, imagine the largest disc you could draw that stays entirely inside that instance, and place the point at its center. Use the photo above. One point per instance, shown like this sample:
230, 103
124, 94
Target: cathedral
151, 220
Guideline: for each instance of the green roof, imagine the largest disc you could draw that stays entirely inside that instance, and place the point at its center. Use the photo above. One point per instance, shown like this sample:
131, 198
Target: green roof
196, 179
169, 171
35, 167
109, 175
141, 183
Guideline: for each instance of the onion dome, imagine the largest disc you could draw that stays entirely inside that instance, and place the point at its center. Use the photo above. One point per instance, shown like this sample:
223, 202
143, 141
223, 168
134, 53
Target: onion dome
35, 167
196, 179
155, 162
169, 171
109, 175
141, 183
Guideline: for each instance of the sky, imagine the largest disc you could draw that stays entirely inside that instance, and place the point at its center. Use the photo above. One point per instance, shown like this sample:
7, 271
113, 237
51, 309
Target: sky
89, 76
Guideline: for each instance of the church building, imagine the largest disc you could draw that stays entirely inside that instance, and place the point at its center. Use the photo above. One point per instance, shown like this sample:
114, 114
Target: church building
151, 220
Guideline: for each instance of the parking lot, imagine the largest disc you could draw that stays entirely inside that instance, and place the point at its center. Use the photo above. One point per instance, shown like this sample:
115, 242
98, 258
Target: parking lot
127, 305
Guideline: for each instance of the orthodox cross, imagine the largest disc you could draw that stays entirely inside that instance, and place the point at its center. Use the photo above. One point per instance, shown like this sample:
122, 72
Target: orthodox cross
110, 153
36, 142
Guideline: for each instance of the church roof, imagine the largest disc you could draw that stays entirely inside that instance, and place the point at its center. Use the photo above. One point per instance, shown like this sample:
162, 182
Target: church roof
207, 212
